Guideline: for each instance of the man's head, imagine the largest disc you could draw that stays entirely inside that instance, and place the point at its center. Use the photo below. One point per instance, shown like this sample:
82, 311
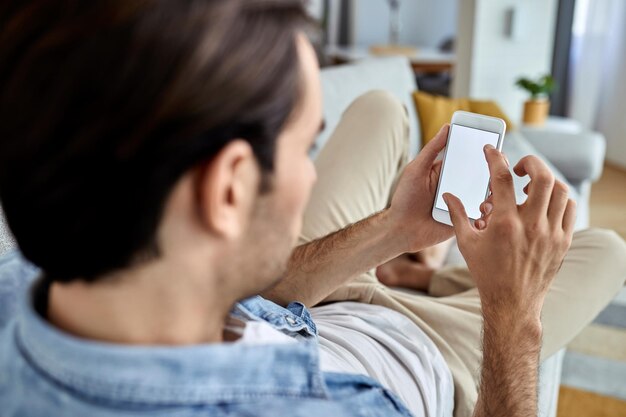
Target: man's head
132, 130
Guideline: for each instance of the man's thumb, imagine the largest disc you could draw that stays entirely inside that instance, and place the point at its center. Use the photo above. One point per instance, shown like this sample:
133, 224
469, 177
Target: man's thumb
459, 218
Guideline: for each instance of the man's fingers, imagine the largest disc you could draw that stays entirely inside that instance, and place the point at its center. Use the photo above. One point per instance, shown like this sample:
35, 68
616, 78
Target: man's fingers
429, 153
486, 207
437, 167
434, 176
482, 223
539, 189
501, 181
460, 221
558, 202
569, 217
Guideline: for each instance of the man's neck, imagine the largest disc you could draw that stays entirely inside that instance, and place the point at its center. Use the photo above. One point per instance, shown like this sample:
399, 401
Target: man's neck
157, 304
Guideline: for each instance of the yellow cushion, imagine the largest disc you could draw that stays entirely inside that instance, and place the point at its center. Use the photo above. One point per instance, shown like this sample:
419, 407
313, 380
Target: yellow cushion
491, 108
434, 111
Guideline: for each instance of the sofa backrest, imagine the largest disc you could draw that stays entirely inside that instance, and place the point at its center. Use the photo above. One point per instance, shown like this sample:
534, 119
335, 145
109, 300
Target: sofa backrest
342, 84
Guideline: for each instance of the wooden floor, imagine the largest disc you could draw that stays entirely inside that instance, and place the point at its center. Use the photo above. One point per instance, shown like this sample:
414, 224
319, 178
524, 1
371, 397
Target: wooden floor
577, 403
608, 201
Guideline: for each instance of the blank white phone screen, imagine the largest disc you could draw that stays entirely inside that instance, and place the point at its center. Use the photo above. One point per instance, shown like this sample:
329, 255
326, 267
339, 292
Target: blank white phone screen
465, 172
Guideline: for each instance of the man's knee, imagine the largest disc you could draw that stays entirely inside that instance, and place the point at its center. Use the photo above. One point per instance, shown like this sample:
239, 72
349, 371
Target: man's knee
386, 112
615, 249
609, 251
380, 102
383, 106
606, 239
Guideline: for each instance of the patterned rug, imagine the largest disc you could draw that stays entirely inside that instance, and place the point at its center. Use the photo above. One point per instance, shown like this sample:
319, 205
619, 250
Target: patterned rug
594, 369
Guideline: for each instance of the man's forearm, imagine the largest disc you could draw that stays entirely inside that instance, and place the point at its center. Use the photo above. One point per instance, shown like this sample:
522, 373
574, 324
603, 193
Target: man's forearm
319, 267
509, 376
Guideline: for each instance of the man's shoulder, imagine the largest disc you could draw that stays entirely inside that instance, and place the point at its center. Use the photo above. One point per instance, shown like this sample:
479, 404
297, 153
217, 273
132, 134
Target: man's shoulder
295, 407
16, 275
16, 379
307, 407
337, 394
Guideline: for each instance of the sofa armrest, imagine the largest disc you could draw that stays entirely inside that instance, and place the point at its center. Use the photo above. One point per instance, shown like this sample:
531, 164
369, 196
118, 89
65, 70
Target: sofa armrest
579, 156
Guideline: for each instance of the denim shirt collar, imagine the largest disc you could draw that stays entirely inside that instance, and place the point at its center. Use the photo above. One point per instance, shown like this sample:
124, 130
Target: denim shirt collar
188, 375
294, 319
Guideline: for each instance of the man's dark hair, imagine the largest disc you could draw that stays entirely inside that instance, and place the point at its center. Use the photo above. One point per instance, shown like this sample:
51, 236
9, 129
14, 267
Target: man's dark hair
105, 104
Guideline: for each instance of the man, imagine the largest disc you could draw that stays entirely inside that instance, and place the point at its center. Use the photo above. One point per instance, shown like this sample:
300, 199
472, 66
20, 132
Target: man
154, 167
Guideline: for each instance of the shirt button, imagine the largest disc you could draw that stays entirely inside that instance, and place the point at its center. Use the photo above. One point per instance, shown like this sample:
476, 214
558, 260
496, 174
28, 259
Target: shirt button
291, 320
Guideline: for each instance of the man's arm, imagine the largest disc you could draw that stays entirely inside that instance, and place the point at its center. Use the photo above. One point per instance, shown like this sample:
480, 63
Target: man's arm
317, 268
509, 374
513, 254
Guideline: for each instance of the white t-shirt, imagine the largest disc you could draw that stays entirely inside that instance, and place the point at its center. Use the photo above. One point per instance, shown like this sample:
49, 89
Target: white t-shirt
385, 345
380, 343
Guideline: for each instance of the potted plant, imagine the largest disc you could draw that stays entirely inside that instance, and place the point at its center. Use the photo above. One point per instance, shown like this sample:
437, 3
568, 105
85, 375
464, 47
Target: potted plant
536, 108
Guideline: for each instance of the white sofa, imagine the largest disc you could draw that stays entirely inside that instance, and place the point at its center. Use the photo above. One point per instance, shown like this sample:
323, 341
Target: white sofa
576, 159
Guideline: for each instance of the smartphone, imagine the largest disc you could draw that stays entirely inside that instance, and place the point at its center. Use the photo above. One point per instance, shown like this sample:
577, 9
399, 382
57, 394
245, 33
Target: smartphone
464, 172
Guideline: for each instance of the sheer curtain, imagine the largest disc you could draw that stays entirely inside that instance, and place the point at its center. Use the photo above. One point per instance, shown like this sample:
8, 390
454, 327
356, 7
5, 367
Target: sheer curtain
598, 62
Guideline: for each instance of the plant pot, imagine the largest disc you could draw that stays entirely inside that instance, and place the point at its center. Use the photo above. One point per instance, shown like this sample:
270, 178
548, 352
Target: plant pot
536, 112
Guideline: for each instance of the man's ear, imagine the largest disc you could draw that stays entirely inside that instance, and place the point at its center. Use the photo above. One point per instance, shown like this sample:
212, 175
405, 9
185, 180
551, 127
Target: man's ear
227, 189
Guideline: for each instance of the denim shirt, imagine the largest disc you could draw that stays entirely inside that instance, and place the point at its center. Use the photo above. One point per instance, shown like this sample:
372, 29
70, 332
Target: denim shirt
46, 372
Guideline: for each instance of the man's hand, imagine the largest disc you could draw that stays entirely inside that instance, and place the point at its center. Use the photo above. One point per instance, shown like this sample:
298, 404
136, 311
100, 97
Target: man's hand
412, 202
519, 249
513, 254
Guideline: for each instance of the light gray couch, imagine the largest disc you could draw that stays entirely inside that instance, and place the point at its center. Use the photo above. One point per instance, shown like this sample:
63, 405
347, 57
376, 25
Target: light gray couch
576, 159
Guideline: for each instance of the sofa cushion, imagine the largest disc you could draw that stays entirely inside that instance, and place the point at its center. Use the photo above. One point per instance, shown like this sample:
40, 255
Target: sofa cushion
434, 111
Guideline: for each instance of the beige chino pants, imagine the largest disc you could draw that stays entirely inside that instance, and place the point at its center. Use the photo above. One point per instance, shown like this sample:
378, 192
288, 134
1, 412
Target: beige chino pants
357, 170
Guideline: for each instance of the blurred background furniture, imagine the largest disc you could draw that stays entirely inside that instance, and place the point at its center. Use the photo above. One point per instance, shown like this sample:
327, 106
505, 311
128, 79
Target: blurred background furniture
579, 163
577, 152
433, 67
423, 60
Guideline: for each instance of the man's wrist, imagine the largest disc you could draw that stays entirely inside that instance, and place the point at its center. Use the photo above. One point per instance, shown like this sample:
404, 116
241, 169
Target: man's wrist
512, 323
396, 236
509, 375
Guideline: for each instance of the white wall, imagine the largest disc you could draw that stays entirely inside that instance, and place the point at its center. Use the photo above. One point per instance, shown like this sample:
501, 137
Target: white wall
489, 61
424, 22
315, 8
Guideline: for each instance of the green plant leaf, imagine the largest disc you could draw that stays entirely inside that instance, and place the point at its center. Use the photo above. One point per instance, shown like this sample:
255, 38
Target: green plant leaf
536, 88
